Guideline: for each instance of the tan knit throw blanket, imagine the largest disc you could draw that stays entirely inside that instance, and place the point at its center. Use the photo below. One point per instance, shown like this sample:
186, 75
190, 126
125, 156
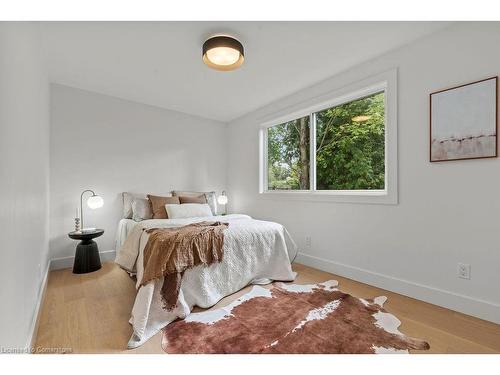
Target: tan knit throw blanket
171, 251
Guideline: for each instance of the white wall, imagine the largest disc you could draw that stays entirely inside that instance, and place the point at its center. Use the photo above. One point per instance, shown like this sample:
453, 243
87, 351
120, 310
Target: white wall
447, 212
24, 179
111, 145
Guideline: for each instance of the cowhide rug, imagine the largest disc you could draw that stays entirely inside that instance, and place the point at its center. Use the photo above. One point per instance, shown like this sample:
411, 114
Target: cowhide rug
291, 318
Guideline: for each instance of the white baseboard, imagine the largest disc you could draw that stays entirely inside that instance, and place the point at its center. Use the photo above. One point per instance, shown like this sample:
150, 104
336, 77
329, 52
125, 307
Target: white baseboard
471, 306
33, 331
67, 262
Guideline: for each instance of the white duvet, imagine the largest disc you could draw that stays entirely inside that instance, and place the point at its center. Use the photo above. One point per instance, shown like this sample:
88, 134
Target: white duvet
255, 252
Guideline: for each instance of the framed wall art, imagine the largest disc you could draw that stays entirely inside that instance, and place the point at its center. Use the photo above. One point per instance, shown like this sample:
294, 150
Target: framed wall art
464, 121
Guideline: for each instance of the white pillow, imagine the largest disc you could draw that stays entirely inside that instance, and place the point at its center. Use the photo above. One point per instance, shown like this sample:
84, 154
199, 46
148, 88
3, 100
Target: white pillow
181, 211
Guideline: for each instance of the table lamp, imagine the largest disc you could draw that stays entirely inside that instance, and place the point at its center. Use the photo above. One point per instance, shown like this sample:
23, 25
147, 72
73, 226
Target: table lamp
94, 201
222, 200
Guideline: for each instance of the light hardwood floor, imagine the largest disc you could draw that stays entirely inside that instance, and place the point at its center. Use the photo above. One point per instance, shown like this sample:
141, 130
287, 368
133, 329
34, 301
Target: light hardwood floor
89, 314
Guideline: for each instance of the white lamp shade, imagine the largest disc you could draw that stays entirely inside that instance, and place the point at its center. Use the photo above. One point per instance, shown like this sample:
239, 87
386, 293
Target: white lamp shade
95, 201
222, 199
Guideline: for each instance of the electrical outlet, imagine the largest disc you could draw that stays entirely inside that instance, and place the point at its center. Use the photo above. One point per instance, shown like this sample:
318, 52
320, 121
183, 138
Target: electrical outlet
463, 271
308, 241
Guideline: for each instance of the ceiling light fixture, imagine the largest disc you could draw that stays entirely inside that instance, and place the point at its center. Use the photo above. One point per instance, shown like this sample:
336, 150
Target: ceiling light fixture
223, 53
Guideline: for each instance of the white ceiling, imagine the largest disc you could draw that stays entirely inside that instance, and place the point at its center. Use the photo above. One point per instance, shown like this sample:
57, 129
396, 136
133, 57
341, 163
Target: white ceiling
159, 63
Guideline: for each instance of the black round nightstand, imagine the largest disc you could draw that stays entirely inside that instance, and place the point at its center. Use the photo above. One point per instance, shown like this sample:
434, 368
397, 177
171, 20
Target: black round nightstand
87, 253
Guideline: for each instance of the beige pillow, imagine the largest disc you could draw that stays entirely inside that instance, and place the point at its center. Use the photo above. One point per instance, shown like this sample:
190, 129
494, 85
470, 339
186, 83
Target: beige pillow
200, 199
141, 209
127, 199
158, 205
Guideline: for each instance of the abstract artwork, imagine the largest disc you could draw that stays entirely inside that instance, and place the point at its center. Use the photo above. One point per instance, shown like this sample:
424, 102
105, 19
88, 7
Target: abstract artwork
463, 121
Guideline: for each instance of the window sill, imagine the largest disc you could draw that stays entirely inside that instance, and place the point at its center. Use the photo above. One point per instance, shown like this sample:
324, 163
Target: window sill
340, 196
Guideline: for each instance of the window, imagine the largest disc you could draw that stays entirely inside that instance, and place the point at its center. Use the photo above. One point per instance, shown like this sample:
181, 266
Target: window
288, 155
349, 150
350, 145
339, 147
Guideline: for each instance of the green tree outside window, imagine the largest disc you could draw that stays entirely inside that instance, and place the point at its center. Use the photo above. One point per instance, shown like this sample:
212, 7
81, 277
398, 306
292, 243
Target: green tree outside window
350, 149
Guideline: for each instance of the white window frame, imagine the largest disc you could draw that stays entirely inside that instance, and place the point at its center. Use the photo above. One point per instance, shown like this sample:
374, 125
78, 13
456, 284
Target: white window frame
386, 82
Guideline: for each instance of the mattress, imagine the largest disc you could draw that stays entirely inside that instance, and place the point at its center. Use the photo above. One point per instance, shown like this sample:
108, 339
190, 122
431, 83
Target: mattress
124, 228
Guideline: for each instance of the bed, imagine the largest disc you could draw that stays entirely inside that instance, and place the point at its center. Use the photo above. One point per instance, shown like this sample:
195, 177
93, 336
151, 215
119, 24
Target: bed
124, 228
255, 252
